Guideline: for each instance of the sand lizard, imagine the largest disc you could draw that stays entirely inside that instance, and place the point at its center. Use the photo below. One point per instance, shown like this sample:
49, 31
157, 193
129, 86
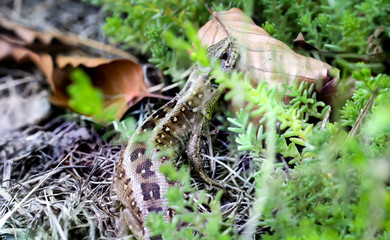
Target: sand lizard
164, 135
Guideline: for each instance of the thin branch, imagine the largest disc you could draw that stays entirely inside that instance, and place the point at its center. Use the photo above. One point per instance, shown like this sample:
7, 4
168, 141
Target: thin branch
216, 18
363, 114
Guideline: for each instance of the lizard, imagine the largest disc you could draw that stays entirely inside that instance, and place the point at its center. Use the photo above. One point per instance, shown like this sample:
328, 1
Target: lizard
164, 135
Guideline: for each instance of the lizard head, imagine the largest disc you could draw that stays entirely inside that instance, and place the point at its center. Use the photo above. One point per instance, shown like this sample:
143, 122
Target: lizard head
226, 51
201, 90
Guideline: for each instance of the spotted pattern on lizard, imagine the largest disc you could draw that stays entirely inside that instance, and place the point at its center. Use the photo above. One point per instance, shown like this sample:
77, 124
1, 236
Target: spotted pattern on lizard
164, 135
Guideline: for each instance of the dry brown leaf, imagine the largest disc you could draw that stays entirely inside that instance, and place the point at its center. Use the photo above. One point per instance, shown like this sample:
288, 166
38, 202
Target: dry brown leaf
264, 57
22, 55
300, 42
5, 50
74, 61
121, 81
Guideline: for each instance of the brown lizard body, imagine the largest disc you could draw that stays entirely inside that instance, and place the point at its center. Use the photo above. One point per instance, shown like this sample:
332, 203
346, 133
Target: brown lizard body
163, 136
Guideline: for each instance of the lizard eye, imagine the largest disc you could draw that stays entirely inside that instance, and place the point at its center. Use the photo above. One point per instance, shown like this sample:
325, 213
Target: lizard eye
224, 56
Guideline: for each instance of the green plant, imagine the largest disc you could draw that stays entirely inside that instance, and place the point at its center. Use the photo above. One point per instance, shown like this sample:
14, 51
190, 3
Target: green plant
337, 187
337, 26
140, 24
329, 25
210, 225
326, 183
89, 101
86, 99
365, 87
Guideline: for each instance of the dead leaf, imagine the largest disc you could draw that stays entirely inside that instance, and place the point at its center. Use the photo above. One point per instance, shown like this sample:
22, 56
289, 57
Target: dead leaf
22, 55
300, 42
264, 58
62, 61
5, 50
47, 41
120, 80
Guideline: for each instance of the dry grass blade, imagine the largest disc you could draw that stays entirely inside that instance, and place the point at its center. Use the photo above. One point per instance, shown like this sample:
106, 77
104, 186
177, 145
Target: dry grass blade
19, 204
72, 195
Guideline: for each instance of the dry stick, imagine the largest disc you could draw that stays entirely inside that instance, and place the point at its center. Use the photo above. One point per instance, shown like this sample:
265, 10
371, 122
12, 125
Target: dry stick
73, 38
363, 114
95, 44
210, 145
9, 214
326, 118
217, 19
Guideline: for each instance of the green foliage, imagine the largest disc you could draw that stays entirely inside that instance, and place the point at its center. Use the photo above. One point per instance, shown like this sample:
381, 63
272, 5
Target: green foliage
86, 99
89, 101
329, 25
292, 117
365, 87
209, 224
141, 24
126, 127
342, 26
335, 185
83, 96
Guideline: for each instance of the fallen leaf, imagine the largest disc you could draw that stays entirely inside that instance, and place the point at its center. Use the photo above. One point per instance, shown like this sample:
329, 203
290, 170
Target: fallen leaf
120, 80
263, 57
300, 42
76, 61
5, 49
22, 55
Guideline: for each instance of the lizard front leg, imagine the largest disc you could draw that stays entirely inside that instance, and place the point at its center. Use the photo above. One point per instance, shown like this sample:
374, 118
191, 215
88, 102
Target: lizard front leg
195, 160
128, 220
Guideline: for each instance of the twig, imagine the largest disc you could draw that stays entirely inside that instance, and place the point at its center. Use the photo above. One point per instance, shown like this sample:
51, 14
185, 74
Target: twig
363, 114
94, 44
73, 38
217, 19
